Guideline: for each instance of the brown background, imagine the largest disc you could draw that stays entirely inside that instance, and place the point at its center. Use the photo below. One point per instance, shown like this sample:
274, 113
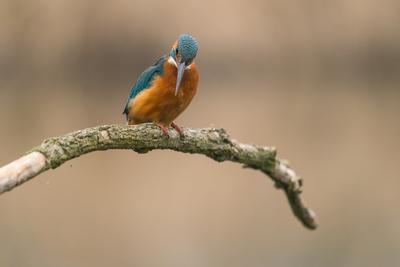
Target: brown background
317, 79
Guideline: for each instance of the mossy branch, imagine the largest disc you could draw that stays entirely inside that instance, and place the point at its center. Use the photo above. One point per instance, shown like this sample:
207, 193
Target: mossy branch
214, 143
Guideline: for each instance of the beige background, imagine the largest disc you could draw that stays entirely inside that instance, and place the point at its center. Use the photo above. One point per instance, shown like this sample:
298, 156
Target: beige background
317, 79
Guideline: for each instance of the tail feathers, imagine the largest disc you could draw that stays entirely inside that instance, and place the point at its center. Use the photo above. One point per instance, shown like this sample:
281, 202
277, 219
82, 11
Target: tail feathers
127, 108
125, 112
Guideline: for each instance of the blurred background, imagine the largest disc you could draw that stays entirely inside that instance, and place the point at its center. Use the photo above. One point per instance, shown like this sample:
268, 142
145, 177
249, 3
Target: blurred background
317, 79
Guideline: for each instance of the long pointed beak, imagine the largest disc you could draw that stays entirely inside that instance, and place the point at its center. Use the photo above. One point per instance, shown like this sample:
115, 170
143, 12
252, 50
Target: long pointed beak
181, 70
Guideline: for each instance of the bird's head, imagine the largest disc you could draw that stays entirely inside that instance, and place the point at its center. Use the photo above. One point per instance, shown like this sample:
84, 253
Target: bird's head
182, 55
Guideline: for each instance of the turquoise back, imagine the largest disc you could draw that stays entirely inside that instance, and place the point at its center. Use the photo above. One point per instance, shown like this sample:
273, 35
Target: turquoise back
145, 81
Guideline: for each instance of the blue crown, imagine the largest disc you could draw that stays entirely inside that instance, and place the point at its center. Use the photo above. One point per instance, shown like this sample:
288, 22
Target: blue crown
187, 47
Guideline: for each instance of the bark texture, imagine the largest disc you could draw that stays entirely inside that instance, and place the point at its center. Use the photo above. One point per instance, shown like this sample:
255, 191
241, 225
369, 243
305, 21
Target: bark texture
214, 143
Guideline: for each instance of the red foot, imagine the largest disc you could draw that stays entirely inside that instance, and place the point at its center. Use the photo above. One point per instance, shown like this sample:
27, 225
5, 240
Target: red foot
177, 128
163, 129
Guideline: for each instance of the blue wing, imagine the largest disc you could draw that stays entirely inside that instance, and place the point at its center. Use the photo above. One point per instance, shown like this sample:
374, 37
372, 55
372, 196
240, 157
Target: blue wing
144, 81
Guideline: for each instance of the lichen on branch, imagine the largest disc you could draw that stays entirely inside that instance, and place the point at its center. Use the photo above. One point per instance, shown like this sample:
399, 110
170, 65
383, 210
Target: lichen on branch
211, 142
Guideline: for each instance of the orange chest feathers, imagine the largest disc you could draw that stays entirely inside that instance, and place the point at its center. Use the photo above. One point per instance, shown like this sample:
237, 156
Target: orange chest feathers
159, 103
188, 85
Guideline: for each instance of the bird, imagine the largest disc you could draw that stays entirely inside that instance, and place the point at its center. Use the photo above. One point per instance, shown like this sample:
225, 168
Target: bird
164, 90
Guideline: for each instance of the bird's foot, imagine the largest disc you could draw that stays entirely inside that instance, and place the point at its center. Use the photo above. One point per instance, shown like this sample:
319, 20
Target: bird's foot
163, 129
178, 129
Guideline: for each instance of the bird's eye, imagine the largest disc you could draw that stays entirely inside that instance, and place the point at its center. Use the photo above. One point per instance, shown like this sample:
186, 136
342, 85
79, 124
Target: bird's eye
176, 51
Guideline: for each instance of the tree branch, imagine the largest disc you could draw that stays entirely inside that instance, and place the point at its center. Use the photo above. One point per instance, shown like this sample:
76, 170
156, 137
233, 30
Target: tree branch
214, 143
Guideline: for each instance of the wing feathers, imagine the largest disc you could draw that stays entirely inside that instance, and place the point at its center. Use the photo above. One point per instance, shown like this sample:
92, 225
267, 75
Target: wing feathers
145, 81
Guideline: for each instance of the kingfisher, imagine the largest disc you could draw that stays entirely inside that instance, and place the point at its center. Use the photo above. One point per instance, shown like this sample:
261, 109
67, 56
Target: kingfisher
163, 91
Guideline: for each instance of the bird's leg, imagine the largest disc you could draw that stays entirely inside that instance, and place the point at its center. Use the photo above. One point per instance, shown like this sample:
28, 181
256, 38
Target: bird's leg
177, 128
163, 128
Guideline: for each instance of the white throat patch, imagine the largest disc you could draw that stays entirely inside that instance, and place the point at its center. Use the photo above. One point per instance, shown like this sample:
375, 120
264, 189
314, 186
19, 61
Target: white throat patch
172, 61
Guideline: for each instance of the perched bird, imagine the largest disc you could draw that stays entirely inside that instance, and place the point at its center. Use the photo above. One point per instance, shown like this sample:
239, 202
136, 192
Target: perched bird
163, 91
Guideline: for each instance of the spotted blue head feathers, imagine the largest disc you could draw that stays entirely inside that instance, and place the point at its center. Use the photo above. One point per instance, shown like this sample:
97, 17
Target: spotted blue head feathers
183, 53
187, 47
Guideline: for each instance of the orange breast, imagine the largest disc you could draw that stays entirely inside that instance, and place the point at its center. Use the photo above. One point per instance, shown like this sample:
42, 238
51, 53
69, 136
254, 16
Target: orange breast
159, 103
